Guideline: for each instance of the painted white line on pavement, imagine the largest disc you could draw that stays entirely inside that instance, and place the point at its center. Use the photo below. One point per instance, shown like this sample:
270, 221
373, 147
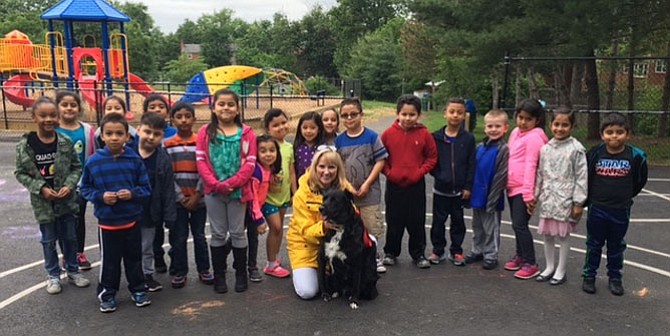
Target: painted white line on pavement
657, 194
656, 179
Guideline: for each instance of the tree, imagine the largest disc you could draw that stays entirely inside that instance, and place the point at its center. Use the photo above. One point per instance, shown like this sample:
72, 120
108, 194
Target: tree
377, 60
218, 32
142, 38
182, 69
269, 44
316, 44
351, 19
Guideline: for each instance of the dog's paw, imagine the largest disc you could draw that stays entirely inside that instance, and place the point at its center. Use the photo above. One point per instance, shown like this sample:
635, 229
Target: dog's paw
336, 295
353, 305
326, 297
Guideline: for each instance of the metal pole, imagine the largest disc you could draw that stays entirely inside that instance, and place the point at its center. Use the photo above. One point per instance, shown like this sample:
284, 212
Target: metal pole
4, 101
502, 101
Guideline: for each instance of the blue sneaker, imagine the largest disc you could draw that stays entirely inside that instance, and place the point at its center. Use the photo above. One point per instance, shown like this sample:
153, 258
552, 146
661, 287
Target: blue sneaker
108, 306
141, 299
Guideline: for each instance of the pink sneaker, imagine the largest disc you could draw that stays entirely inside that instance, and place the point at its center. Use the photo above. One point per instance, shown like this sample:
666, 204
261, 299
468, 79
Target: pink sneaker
527, 271
277, 271
514, 264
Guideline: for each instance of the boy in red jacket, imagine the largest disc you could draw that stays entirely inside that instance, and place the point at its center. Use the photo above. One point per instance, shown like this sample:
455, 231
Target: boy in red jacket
412, 154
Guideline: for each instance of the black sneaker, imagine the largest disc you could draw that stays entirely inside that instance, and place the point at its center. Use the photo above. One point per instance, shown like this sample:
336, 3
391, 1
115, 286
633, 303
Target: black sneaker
589, 285
255, 275
490, 264
421, 262
473, 258
152, 285
616, 286
159, 265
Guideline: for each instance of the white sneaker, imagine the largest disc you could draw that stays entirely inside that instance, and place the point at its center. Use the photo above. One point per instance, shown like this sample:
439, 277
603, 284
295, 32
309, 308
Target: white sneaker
78, 280
380, 266
53, 285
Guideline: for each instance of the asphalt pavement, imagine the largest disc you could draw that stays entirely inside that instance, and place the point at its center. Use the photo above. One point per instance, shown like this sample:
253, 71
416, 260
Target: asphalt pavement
442, 300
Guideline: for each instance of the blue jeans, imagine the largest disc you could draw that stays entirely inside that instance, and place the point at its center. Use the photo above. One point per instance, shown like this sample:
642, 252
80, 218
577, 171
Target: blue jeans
178, 236
62, 230
605, 226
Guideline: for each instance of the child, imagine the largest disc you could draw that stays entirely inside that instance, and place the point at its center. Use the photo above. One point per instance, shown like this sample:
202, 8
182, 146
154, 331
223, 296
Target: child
157, 103
161, 206
308, 136
617, 173
191, 209
48, 166
307, 227
525, 143
331, 124
226, 158
114, 104
267, 164
453, 174
116, 182
411, 155
560, 189
488, 191
364, 157
83, 136
275, 122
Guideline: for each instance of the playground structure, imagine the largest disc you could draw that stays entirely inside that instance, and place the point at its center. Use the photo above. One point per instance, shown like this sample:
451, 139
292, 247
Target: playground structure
64, 62
29, 70
244, 80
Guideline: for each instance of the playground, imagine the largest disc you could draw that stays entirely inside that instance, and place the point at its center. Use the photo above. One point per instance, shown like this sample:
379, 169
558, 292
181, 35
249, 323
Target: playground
77, 63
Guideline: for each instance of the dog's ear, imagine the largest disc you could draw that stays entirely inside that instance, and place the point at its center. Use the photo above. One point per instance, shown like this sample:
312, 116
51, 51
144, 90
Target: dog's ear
349, 195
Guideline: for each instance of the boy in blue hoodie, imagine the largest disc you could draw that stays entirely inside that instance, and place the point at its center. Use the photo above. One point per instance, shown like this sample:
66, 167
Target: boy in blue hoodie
488, 191
453, 183
116, 182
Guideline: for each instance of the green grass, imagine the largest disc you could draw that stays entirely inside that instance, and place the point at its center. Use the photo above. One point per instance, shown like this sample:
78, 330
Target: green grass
373, 104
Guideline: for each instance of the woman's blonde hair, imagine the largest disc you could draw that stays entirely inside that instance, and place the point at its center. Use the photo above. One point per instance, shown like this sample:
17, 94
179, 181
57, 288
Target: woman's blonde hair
330, 157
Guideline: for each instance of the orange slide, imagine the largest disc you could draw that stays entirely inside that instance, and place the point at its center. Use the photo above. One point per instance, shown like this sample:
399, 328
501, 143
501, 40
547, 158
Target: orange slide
138, 84
15, 90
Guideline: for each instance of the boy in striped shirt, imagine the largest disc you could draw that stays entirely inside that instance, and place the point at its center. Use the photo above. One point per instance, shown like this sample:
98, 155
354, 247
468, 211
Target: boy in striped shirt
190, 204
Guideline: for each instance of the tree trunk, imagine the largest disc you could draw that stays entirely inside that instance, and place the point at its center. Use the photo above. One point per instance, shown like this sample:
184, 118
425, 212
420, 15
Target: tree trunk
593, 97
630, 106
611, 81
532, 84
576, 83
517, 87
495, 90
561, 77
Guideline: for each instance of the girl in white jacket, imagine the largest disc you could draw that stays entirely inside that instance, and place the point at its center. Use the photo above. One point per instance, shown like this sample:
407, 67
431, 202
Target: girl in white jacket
561, 190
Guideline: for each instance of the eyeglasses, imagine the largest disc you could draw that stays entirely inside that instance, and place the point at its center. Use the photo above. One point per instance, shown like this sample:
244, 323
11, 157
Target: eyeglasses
353, 115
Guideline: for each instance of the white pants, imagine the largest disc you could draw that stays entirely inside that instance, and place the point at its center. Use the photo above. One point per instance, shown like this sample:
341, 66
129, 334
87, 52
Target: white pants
306, 282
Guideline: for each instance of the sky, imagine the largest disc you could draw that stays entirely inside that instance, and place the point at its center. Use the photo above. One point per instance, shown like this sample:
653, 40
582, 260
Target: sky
169, 14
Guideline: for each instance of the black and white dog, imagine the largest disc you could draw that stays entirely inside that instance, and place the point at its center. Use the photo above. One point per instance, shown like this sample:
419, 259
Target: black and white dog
347, 256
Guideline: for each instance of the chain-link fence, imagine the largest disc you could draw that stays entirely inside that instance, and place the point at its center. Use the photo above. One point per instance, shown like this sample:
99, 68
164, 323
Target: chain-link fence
637, 87
18, 93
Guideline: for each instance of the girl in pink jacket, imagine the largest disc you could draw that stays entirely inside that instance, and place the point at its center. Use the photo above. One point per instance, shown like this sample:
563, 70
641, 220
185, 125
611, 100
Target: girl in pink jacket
226, 157
524, 145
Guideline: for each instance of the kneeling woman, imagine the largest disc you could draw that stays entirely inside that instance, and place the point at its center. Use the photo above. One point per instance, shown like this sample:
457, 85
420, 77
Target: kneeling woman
307, 227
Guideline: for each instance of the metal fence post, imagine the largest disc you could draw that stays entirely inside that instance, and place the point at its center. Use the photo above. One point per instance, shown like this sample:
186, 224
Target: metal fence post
4, 103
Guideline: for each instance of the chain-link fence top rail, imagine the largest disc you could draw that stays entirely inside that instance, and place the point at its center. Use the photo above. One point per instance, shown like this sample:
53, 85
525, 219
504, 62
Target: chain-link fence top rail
16, 118
637, 87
